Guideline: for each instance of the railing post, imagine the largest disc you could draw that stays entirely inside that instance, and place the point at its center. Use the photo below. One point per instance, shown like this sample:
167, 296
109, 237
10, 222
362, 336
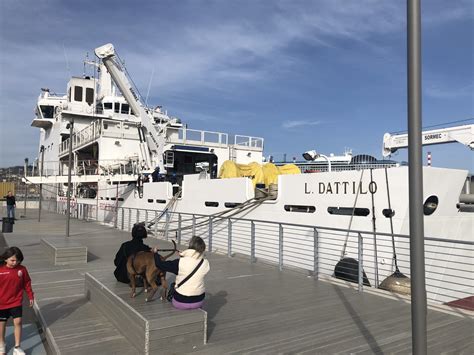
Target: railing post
280, 246
167, 226
179, 228
194, 226
316, 254
210, 234
361, 264
229, 237
252, 242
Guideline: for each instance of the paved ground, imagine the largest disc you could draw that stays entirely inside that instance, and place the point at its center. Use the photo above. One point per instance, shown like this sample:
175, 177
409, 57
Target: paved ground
251, 308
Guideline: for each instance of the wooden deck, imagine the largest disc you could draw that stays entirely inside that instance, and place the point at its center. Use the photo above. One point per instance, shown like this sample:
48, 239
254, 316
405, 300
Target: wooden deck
251, 308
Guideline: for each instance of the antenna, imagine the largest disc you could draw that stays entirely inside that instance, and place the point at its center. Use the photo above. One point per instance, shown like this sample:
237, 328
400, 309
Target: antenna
149, 85
67, 61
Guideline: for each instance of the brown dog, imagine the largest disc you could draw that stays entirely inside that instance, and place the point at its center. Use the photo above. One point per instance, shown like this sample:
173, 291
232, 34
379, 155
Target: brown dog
143, 263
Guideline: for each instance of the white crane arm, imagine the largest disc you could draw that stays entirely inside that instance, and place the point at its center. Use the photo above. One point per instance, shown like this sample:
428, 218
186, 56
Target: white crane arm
152, 137
462, 134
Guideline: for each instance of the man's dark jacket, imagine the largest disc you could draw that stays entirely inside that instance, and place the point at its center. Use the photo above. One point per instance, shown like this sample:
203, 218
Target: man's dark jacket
10, 200
126, 249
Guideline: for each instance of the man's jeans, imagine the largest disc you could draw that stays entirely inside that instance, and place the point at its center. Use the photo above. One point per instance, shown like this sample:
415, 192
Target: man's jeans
10, 211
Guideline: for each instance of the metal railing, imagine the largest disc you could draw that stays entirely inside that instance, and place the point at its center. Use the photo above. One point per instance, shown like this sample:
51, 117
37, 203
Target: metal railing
313, 249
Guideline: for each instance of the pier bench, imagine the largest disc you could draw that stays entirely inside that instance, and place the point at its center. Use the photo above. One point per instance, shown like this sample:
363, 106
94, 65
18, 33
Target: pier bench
61, 251
152, 327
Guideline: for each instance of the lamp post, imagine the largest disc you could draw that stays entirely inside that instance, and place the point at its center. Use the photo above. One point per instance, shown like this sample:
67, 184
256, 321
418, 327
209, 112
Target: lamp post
325, 157
41, 185
312, 155
69, 190
26, 186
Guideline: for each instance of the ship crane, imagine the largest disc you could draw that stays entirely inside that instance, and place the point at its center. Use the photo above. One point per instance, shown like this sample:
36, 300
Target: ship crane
152, 139
462, 134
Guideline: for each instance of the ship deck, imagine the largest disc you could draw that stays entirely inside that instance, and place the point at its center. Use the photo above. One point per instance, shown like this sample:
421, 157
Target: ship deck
252, 308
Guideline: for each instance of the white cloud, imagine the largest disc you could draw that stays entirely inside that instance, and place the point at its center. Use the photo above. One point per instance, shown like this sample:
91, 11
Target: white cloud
299, 123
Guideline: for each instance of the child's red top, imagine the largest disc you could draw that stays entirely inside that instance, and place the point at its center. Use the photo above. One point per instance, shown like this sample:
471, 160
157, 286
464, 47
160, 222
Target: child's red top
12, 283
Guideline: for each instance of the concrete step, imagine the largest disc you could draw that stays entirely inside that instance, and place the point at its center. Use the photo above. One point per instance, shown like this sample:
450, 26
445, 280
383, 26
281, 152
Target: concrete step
150, 326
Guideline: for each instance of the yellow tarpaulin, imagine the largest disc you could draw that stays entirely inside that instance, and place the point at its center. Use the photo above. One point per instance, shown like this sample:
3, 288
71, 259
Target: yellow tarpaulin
266, 174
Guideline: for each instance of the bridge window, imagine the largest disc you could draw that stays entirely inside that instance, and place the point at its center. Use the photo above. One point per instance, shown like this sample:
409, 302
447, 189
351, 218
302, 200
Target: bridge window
117, 107
349, 211
47, 111
300, 208
125, 109
78, 93
107, 106
89, 95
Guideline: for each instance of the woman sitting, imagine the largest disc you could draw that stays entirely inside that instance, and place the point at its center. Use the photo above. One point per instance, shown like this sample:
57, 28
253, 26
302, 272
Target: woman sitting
129, 248
190, 294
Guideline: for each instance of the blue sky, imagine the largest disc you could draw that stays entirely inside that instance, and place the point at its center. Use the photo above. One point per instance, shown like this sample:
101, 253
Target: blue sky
321, 74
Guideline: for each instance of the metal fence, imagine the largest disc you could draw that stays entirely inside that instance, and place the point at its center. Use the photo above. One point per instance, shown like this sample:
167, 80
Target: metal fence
312, 249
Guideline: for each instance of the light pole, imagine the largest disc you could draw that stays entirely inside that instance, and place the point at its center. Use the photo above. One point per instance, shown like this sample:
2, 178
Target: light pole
41, 185
26, 186
312, 155
70, 125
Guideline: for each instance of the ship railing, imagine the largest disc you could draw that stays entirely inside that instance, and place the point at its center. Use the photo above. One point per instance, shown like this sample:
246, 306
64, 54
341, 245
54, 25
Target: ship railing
314, 250
130, 166
319, 168
248, 142
200, 138
82, 137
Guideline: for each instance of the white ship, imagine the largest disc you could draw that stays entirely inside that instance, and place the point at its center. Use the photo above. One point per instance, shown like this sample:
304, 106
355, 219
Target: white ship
132, 163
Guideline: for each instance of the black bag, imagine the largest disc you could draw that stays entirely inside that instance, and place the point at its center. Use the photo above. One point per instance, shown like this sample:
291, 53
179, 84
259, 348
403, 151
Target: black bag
172, 288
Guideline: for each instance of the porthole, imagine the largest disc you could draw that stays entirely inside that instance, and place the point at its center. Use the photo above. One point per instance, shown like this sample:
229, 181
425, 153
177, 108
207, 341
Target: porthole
231, 204
430, 205
349, 211
387, 212
211, 204
300, 208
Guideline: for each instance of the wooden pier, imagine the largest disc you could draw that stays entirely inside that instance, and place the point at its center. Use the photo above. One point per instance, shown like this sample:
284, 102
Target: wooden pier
249, 308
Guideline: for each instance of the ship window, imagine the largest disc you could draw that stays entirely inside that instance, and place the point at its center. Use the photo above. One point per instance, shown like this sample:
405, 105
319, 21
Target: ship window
107, 106
430, 205
349, 211
117, 107
120, 198
387, 212
47, 111
125, 108
300, 208
106, 126
150, 200
160, 201
231, 204
89, 95
69, 95
211, 204
77, 93
112, 198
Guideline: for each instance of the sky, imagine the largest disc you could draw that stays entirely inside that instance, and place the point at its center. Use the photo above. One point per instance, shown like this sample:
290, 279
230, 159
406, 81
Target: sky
322, 74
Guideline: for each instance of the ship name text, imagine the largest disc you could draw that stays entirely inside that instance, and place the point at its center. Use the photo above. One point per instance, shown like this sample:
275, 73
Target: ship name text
342, 187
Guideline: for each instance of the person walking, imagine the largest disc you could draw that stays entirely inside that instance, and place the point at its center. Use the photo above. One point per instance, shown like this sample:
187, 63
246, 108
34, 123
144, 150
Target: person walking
14, 279
11, 205
190, 268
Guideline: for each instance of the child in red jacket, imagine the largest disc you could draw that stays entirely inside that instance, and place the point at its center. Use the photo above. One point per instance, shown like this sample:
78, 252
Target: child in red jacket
14, 279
